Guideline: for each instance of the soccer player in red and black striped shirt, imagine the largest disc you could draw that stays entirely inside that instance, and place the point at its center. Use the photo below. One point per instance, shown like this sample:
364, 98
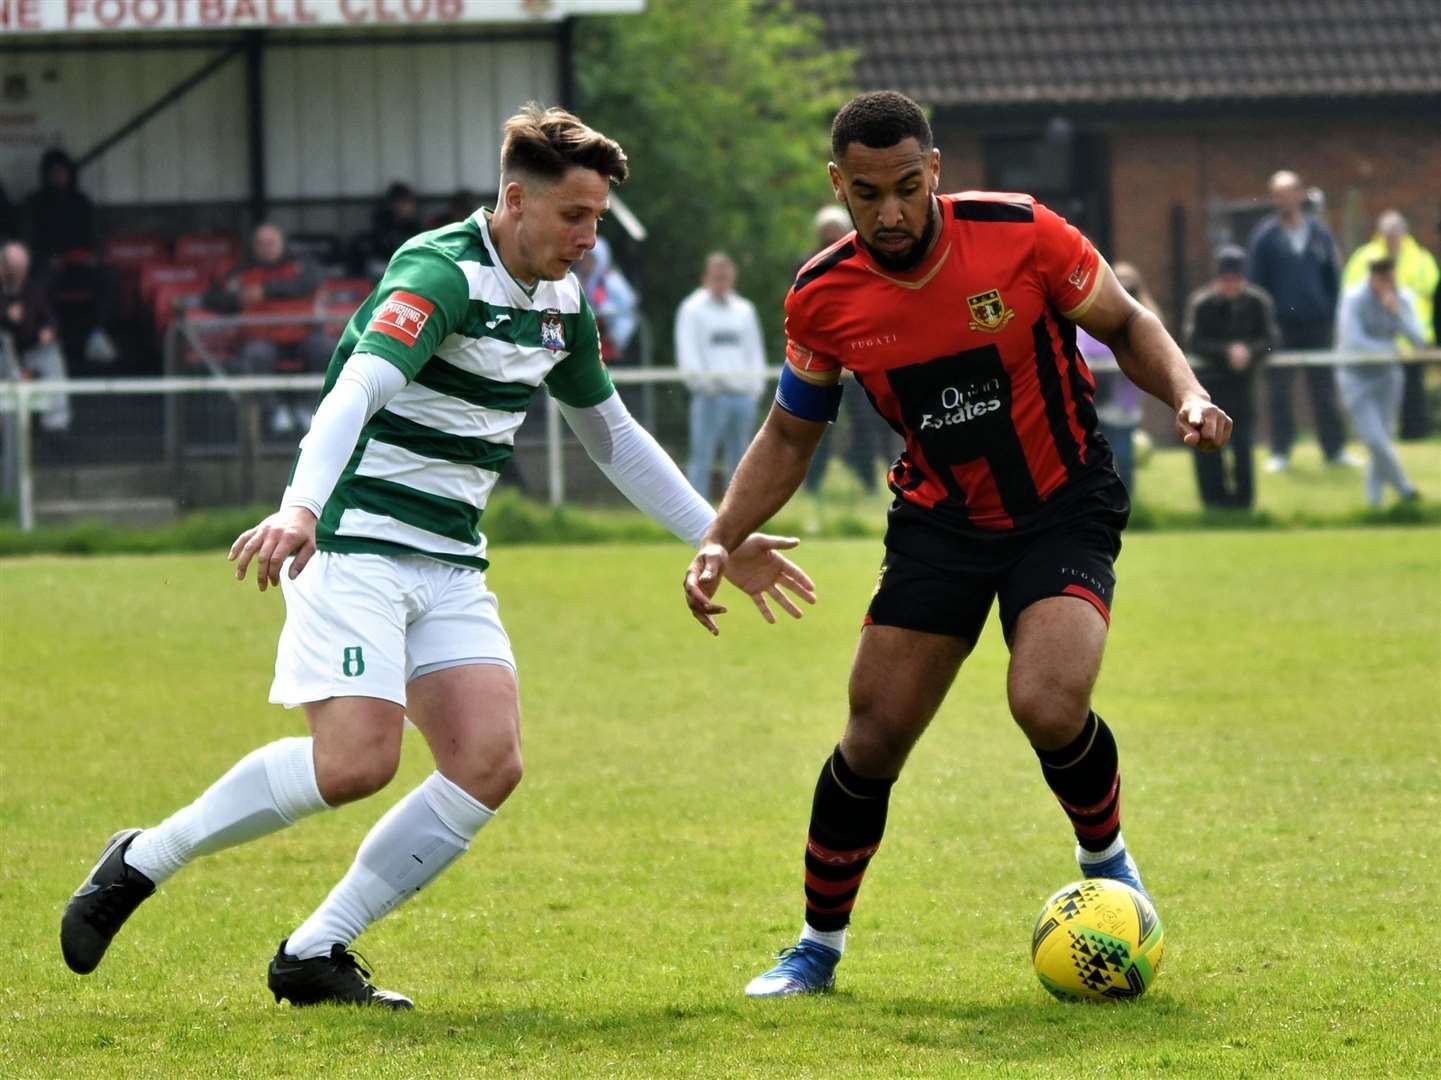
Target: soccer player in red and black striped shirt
957, 314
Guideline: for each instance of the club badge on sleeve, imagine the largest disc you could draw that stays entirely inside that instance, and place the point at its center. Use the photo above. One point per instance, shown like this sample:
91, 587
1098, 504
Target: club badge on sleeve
552, 330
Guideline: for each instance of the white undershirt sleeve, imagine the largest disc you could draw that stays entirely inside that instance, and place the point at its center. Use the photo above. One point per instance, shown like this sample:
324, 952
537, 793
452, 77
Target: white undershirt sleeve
635, 463
365, 384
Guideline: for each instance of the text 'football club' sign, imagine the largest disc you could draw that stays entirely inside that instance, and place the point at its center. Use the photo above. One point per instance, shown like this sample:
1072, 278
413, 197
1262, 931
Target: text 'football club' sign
104, 16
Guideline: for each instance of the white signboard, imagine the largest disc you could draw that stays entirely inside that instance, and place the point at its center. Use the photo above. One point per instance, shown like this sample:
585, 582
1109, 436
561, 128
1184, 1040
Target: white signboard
104, 16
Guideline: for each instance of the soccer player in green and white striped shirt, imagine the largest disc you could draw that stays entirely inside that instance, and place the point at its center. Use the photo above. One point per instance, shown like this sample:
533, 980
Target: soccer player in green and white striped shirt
379, 550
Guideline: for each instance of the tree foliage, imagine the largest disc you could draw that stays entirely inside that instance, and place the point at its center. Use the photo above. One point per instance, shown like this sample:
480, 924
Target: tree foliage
724, 109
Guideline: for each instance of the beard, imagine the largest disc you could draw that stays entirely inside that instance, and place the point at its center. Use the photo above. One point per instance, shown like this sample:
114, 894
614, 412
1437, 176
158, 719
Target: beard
910, 258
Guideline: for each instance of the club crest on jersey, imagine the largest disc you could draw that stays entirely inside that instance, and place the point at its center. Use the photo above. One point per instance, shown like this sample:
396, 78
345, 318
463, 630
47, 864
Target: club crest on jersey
402, 316
989, 313
552, 330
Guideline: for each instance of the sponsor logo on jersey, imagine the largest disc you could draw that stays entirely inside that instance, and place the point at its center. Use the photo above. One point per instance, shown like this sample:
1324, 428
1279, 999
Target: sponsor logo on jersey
402, 317
871, 342
1090, 579
960, 405
989, 313
552, 330
1079, 276
493, 323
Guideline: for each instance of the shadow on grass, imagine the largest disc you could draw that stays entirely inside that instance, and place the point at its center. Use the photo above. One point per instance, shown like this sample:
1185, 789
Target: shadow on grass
758, 1032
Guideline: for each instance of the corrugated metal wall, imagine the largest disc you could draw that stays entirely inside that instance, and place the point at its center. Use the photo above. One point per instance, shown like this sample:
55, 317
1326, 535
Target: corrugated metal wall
194, 150
340, 121
348, 120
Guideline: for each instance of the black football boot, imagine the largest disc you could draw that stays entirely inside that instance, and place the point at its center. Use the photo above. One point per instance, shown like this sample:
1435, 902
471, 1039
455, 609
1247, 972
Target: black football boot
99, 908
337, 977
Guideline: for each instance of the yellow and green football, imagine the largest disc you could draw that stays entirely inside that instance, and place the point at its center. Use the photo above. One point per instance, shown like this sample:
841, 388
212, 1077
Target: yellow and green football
1097, 940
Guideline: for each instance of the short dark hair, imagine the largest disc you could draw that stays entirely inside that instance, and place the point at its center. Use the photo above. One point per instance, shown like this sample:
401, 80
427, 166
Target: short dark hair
548, 143
878, 119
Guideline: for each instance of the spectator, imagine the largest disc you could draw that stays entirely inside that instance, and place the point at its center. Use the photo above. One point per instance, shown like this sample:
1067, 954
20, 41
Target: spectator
1373, 315
1293, 258
8, 224
272, 273
1436, 300
25, 315
59, 217
461, 205
869, 438
1229, 328
392, 223
613, 301
1416, 272
718, 348
1117, 400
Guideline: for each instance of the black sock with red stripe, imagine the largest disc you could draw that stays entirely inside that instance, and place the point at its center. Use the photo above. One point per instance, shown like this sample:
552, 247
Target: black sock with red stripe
848, 817
1086, 778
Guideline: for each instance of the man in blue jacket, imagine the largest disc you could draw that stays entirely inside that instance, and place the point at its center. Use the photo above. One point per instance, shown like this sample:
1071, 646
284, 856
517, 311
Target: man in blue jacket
1293, 258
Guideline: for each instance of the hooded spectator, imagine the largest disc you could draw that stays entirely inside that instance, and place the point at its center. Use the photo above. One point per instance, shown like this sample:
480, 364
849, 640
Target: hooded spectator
8, 224
394, 221
58, 218
460, 206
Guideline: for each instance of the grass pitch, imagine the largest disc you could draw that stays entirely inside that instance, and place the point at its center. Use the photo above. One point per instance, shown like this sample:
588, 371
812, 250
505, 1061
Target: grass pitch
1276, 700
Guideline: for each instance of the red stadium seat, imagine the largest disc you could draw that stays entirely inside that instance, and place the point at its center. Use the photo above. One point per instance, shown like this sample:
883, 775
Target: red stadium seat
283, 333
171, 297
334, 292
213, 251
155, 274
129, 252
339, 297
220, 341
126, 255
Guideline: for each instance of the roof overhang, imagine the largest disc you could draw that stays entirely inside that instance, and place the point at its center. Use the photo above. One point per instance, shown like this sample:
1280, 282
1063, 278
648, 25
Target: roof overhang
40, 17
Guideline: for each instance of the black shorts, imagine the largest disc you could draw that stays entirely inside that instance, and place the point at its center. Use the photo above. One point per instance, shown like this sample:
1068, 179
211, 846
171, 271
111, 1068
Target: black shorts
941, 580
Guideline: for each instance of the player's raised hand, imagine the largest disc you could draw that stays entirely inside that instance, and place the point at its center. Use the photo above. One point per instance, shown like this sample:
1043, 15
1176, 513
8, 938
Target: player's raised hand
757, 568
1202, 424
288, 531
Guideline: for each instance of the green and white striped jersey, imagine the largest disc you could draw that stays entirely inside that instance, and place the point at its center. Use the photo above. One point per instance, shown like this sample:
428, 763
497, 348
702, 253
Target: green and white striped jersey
474, 345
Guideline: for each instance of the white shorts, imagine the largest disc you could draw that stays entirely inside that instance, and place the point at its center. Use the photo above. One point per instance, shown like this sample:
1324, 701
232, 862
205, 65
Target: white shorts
362, 625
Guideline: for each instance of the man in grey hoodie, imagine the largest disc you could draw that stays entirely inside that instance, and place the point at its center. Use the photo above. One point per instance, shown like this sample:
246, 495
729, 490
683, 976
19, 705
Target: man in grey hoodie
1373, 315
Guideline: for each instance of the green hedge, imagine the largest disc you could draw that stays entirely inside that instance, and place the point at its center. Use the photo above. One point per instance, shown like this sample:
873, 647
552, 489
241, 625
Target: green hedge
513, 519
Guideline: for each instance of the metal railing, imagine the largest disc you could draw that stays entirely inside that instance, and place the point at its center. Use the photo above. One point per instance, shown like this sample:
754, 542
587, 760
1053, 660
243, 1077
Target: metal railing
19, 399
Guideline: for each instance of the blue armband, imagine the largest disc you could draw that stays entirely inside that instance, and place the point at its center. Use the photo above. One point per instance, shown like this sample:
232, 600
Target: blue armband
806, 400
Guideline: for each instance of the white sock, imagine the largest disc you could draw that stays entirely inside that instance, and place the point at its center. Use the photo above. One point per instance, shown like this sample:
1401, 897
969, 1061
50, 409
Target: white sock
267, 790
406, 850
1089, 858
831, 939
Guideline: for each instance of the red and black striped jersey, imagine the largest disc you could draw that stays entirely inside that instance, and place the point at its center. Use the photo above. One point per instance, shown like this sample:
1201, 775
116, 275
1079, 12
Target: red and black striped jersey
971, 356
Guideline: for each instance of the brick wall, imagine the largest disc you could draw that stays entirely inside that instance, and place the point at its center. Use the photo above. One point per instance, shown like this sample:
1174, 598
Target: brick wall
1364, 166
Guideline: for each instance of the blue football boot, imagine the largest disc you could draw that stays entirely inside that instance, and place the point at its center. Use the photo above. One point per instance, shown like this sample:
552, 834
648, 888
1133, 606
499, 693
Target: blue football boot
1119, 867
806, 968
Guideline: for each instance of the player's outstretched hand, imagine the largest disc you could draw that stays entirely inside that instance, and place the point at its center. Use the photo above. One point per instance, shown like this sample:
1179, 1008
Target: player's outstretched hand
1202, 424
757, 568
288, 531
